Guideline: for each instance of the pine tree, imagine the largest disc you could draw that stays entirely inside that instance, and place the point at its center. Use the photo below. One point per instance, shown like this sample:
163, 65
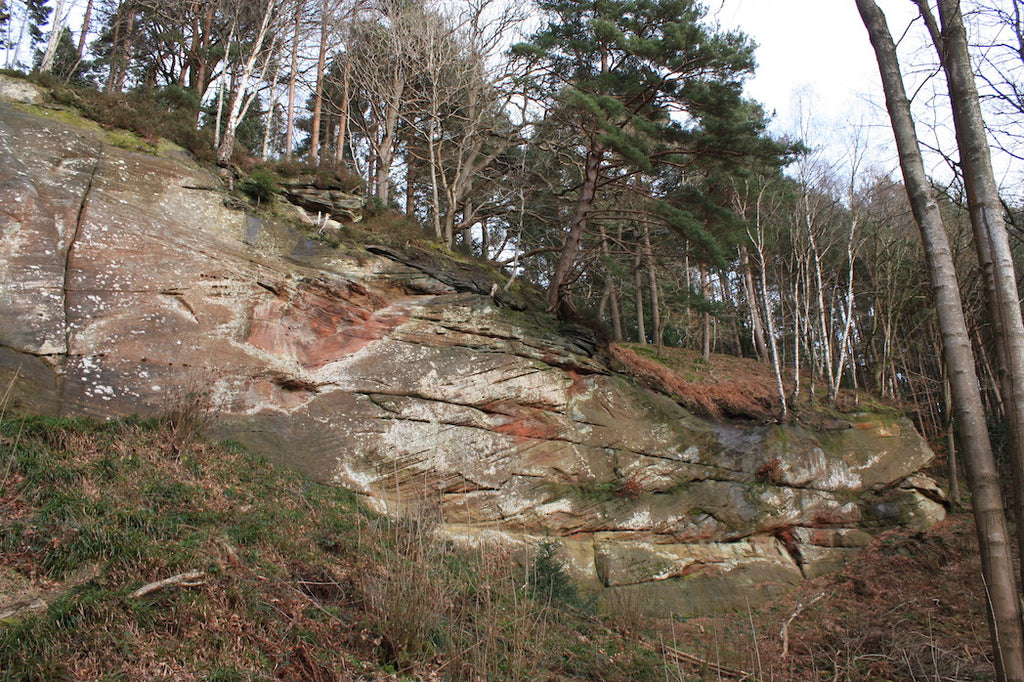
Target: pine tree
5, 18
636, 79
38, 13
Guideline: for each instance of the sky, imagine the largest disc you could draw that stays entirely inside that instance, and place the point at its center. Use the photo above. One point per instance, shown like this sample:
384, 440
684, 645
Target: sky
820, 48
817, 50
815, 45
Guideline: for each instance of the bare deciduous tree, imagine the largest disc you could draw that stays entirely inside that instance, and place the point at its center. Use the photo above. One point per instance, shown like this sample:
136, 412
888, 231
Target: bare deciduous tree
993, 535
254, 36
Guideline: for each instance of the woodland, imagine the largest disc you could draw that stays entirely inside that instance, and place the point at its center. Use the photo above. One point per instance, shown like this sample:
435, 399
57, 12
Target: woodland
605, 152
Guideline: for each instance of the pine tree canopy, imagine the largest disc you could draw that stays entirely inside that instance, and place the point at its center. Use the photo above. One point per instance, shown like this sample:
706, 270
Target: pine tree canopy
647, 84
648, 81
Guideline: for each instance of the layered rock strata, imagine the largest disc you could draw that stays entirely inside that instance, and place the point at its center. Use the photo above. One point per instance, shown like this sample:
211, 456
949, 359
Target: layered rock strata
127, 285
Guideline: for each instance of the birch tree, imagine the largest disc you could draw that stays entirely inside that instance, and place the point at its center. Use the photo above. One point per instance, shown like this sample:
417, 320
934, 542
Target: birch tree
56, 28
246, 77
993, 535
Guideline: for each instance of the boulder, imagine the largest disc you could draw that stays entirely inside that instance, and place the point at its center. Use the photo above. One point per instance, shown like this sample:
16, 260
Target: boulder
18, 90
327, 203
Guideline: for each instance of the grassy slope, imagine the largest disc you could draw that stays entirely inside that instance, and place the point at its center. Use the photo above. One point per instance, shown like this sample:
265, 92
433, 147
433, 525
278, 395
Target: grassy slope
298, 581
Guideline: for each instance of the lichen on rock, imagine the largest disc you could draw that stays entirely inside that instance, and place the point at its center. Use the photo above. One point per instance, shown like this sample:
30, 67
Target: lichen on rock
127, 284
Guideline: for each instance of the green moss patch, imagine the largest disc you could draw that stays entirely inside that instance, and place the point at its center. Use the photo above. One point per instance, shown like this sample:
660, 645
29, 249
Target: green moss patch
158, 554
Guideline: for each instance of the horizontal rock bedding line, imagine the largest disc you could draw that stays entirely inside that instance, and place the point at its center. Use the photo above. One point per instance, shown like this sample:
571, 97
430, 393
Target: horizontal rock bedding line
419, 384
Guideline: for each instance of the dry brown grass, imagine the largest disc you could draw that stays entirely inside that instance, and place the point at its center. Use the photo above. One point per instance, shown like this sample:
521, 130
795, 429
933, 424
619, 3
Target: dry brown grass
722, 387
729, 387
910, 607
291, 580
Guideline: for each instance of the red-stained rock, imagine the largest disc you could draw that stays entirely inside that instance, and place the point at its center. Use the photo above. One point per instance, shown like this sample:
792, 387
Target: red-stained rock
314, 324
125, 286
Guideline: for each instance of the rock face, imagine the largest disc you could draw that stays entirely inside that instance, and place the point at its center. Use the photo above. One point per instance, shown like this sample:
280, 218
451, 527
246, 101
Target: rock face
126, 285
332, 203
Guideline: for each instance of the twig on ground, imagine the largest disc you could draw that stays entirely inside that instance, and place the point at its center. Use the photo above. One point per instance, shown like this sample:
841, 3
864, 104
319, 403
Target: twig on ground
187, 579
784, 632
716, 667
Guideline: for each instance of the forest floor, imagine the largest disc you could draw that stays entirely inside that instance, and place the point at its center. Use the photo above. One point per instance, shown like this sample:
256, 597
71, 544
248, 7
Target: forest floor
910, 607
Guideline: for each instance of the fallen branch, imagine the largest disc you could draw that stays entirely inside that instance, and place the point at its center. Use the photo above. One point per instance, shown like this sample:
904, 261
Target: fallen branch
784, 632
714, 667
187, 579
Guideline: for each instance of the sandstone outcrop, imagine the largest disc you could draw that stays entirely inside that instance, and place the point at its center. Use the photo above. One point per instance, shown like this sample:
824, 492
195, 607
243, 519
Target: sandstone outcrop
329, 203
127, 284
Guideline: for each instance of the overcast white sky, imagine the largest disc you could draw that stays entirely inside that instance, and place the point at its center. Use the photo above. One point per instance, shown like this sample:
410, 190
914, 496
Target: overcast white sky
818, 48
815, 45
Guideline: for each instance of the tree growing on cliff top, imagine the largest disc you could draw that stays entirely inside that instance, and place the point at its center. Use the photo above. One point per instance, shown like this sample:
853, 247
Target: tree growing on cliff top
636, 80
255, 34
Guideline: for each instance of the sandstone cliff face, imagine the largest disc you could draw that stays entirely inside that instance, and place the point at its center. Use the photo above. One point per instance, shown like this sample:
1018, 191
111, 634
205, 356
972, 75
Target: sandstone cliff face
126, 283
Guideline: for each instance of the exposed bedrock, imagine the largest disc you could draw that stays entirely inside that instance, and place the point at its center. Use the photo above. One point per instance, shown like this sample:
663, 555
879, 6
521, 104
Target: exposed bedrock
126, 284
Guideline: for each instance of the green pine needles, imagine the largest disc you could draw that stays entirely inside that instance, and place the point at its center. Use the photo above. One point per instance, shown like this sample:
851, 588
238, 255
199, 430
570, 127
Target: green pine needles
647, 87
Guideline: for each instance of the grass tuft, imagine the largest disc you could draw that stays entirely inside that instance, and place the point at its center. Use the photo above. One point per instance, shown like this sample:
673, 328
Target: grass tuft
285, 578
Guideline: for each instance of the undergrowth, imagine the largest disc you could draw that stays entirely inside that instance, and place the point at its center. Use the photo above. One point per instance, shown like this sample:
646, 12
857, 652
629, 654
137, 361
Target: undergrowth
169, 113
162, 556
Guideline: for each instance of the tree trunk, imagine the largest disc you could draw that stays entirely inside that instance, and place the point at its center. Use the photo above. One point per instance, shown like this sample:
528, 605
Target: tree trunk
574, 237
441, 233
951, 459
202, 78
293, 76
799, 327
386, 147
339, 154
988, 221
844, 339
12, 54
993, 536
86, 22
705, 346
994, 393
750, 293
410, 186
638, 298
318, 93
769, 316
825, 342
269, 128
239, 103
485, 238
115, 44
613, 295
51, 44
652, 277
